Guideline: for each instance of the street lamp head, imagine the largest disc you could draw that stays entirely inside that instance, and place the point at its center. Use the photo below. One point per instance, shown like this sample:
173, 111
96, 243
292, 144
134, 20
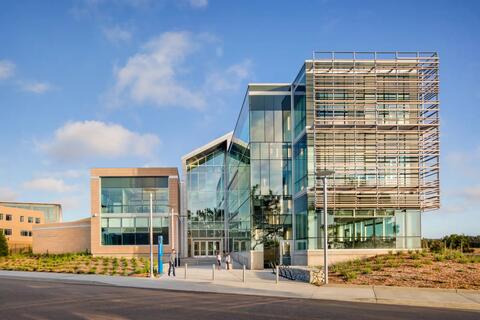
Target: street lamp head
325, 173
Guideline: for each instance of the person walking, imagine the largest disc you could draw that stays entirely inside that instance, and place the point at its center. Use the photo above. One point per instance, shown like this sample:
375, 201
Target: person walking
228, 260
171, 262
219, 260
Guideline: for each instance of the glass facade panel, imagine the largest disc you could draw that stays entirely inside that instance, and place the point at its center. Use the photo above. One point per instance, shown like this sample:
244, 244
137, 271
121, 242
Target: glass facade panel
128, 194
133, 231
125, 209
206, 197
260, 206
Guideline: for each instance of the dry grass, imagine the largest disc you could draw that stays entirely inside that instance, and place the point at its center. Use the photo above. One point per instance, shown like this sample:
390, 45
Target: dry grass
450, 269
75, 263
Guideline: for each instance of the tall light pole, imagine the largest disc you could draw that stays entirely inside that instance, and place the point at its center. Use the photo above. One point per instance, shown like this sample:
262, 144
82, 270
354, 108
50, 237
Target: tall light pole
324, 174
151, 234
151, 191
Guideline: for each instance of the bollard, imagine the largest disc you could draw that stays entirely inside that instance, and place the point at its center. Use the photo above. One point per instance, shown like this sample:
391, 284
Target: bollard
213, 271
276, 274
243, 275
185, 274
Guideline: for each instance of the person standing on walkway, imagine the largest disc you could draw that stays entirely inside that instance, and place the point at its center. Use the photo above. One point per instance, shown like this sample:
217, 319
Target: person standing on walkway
228, 260
171, 262
219, 260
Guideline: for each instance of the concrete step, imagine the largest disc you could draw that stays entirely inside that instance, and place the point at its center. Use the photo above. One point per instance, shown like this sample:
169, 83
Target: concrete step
197, 261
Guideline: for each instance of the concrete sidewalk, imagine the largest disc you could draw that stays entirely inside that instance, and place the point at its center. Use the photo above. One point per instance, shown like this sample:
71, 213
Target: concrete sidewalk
262, 283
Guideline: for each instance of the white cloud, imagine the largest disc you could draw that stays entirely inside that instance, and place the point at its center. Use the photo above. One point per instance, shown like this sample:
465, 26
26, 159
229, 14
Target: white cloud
231, 78
150, 76
7, 69
160, 73
72, 204
199, 3
7, 194
117, 34
90, 139
36, 87
48, 185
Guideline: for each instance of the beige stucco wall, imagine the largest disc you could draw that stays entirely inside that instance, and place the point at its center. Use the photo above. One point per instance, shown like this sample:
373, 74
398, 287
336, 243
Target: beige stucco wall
65, 237
315, 257
252, 260
16, 240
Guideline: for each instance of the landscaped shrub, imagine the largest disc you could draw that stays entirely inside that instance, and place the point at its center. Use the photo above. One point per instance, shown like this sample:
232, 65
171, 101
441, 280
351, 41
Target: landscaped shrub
3, 245
366, 270
453, 255
439, 257
350, 275
437, 246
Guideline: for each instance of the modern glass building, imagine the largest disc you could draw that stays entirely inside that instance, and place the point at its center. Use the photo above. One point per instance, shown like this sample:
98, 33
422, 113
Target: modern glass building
121, 209
52, 211
204, 170
260, 174
372, 118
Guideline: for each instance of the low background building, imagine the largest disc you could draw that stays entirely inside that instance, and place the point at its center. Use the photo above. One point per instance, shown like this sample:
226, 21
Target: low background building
51, 211
17, 224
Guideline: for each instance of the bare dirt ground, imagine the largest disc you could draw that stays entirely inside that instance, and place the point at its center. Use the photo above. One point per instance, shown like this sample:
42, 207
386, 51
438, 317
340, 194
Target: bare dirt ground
427, 270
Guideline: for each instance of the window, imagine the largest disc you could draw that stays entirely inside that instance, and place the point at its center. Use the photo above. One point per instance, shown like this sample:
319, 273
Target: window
30, 219
7, 232
129, 194
1, 216
22, 218
37, 220
8, 217
26, 233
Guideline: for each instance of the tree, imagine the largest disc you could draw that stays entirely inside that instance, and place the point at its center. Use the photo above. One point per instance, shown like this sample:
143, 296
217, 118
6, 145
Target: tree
3, 245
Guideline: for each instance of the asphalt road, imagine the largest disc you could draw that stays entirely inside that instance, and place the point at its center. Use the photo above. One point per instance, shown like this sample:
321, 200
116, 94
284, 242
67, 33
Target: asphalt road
34, 299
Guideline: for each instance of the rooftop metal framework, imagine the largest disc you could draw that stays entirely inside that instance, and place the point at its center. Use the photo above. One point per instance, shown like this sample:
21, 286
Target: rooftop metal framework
376, 124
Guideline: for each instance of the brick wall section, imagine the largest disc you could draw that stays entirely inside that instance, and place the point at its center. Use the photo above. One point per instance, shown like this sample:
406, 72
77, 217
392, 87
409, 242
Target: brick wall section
134, 250
66, 237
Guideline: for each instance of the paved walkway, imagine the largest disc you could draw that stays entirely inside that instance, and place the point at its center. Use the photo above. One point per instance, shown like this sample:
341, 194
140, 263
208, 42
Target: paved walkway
262, 283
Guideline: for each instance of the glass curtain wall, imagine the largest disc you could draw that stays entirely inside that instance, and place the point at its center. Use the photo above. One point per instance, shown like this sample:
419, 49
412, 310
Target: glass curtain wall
307, 223
205, 196
271, 172
238, 184
125, 210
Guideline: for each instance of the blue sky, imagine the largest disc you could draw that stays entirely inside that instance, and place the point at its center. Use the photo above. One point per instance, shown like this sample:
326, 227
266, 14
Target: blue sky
140, 83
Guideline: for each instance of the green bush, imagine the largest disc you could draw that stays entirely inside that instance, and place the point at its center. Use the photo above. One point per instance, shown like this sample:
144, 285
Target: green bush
439, 257
350, 275
437, 246
457, 242
453, 255
366, 270
3, 245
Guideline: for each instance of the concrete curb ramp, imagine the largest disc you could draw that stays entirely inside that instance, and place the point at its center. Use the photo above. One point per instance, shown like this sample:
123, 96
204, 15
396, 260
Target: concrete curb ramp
419, 297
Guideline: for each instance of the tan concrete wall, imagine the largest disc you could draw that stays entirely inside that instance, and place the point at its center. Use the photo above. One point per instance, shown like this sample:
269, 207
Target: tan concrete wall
16, 240
135, 250
252, 260
315, 257
65, 237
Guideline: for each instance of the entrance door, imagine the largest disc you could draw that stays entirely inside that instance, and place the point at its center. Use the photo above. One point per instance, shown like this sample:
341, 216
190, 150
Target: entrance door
207, 248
